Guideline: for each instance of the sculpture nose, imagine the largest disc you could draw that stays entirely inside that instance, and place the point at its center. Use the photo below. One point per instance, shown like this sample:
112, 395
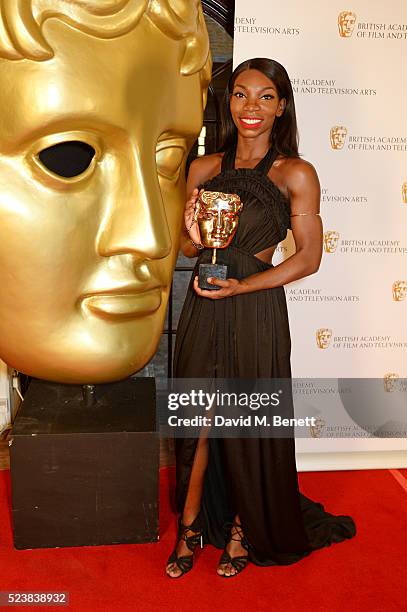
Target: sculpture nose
135, 221
219, 221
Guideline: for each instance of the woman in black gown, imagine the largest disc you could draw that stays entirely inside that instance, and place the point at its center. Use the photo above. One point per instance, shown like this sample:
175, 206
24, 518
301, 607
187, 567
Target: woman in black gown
242, 494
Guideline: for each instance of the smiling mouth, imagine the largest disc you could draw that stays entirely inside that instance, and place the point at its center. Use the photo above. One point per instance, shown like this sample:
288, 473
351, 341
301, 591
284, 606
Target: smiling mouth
116, 305
250, 122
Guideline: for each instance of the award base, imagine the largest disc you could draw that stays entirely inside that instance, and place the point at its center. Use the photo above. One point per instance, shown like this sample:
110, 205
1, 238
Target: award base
85, 473
211, 270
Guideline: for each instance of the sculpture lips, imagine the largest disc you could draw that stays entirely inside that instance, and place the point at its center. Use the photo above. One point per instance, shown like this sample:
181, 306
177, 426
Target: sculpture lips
125, 305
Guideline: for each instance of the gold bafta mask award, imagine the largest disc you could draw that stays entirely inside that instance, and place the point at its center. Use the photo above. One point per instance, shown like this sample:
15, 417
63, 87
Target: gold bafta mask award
101, 101
217, 215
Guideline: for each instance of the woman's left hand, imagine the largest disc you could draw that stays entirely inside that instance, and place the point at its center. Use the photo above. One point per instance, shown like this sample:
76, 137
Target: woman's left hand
230, 287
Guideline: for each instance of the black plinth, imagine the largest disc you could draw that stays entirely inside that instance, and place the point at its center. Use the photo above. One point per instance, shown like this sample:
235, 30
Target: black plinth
206, 271
85, 475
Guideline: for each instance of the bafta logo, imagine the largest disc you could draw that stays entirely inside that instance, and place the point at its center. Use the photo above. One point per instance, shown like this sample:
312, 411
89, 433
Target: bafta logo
399, 290
331, 241
323, 337
346, 23
317, 429
404, 192
390, 382
338, 137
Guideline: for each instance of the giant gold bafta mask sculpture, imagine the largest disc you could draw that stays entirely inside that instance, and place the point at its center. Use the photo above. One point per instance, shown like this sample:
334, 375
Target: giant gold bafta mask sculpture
101, 101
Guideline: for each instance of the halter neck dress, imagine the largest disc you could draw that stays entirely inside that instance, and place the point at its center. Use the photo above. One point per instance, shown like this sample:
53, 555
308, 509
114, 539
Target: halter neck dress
248, 336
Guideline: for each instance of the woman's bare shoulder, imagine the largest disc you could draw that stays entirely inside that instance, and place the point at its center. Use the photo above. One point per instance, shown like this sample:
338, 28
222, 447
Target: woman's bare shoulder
204, 168
298, 172
296, 165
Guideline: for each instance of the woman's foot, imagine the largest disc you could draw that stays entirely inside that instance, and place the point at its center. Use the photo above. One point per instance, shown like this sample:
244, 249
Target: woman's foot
235, 556
181, 560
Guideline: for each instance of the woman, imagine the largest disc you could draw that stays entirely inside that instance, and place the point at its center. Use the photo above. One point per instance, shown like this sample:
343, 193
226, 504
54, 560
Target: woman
242, 494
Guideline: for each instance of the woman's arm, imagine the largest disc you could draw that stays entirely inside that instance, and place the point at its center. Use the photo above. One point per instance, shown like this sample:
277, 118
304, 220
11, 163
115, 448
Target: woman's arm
304, 190
186, 246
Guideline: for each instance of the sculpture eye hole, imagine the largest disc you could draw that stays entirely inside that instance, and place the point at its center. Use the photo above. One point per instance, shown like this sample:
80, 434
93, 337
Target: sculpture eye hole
67, 159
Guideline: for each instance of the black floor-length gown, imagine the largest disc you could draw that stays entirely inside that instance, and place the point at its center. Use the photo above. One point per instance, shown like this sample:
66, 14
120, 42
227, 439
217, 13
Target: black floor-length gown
248, 336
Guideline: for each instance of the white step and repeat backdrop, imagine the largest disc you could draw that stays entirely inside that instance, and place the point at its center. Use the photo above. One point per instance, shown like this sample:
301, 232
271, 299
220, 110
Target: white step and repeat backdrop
347, 66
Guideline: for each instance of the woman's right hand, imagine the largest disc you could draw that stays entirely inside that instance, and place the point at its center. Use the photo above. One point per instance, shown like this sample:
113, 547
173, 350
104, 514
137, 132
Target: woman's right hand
193, 231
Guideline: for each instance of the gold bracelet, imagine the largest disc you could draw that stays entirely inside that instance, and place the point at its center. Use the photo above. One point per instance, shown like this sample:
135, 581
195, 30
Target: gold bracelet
302, 214
197, 246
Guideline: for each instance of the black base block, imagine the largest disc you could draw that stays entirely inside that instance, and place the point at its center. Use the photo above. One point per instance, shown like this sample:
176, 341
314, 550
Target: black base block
211, 270
85, 475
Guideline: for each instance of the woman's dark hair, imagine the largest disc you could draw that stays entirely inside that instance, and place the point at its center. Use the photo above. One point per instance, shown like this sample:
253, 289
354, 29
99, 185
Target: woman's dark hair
284, 135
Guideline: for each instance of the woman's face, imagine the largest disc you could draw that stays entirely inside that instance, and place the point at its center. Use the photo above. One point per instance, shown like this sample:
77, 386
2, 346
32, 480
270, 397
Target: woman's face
255, 103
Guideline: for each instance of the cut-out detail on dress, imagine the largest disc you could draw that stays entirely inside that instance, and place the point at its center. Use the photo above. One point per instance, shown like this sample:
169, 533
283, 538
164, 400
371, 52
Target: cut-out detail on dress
274, 247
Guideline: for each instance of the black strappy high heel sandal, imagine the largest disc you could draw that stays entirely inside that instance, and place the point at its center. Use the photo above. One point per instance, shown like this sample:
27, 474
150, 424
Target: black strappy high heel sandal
185, 562
239, 563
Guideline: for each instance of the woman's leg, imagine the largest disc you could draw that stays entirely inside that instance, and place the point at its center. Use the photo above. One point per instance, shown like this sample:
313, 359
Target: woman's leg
194, 494
193, 499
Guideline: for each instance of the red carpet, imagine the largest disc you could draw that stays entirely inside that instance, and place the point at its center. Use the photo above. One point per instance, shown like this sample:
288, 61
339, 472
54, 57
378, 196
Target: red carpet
368, 573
